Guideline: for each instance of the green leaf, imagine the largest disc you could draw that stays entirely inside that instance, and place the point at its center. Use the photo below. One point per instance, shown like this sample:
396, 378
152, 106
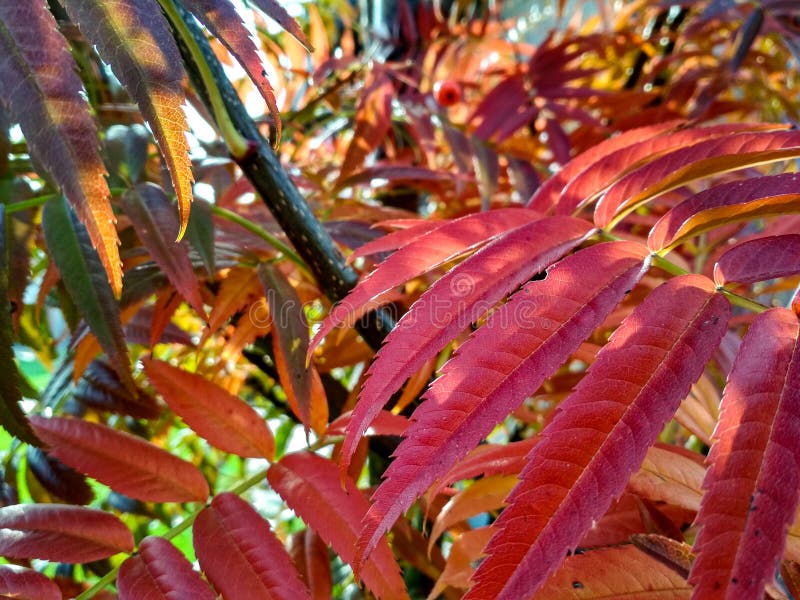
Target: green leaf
44, 93
11, 416
83, 276
200, 233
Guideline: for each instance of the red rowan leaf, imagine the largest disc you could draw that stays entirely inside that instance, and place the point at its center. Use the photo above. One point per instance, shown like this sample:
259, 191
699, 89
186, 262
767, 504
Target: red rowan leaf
216, 415
135, 39
459, 298
277, 13
44, 94
433, 249
240, 554
548, 194
300, 381
520, 345
396, 239
20, 583
619, 572
155, 222
703, 159
574, 472
224, 21
60, 532
726, 203
84, 277
312, 487
373, 122
752, 481
125, 463
758, 260
385, 423
596, 177
159, 570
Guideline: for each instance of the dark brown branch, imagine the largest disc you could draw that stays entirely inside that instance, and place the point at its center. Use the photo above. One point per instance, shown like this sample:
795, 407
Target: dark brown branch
279, 193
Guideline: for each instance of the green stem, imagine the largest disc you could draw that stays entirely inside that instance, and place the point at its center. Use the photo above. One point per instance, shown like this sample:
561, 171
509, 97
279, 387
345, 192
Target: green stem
238, 489
29, 203
238, 145
742, 301
273, 241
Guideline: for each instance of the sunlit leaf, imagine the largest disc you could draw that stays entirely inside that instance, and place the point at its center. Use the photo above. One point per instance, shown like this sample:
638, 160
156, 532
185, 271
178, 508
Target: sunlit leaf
226, 421
530, 337
123, 462
724, 204
574, 473
136, 40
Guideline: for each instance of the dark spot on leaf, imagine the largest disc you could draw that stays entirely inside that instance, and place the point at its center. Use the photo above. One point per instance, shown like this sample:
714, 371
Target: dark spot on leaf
577, 585
734, 580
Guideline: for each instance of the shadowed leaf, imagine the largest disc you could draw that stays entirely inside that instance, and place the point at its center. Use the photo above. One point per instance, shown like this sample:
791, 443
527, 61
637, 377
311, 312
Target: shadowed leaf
240, 554
752, 481
373, 121
62, 533
275, 11
58, 479
44, 93
159, 570
155, 222
11, 416
26, 584
759, 260
226, 421
574, 472
100, 387
86, 282
312, 487
135, 39
530, 337
123, 462
290, 346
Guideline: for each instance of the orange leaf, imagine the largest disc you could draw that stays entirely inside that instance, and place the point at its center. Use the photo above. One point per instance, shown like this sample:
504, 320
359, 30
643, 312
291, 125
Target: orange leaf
226, 421
618, 572
672, 475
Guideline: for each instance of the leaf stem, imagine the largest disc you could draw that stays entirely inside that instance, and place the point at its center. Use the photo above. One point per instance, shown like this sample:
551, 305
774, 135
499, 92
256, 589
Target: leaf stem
238, 489
265, 235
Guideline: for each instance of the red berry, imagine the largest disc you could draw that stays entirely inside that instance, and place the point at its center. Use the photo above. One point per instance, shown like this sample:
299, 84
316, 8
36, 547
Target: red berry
447, 92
